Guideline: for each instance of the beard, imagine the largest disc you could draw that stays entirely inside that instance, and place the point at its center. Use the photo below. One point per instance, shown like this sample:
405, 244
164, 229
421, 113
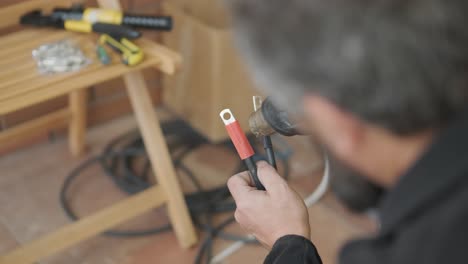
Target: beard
352, 188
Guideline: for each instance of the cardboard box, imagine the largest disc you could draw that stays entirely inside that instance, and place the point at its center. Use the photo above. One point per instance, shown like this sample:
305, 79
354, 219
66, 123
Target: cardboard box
212, 77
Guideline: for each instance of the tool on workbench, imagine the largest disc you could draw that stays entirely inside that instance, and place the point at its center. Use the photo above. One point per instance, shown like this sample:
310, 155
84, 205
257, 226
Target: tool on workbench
130, 52
269, 119
242, 145
102, 55
36, 18
94, 15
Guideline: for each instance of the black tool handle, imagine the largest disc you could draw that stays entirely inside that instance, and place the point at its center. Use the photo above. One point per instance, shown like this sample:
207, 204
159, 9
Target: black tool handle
117, 31
278, 119
253, 173
163, 23
270, 153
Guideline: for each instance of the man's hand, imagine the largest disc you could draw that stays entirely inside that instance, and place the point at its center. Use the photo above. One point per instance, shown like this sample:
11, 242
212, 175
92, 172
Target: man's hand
271, 214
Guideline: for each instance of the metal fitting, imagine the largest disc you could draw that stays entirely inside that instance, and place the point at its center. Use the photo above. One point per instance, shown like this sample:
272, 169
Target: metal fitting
59, 57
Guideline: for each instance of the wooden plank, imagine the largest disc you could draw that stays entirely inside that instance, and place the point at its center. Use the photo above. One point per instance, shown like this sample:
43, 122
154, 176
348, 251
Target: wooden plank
25, 76
26, 46
160, 158
97, 114
24, 80
30, 128
16, 59
75, 81
25, 63
35, 91
22, 35
27, 114
85, 79
21, 81
171, 60
77, 129
10, 15
87, 227
12, 79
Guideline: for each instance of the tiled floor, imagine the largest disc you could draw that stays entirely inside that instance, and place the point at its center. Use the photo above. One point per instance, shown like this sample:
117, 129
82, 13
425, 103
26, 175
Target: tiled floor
31, 179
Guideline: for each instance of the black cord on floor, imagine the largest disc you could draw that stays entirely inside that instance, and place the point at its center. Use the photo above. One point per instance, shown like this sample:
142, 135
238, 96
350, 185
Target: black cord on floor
124, 160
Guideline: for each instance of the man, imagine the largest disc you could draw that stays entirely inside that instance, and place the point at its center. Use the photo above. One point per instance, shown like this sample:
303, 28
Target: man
383, 85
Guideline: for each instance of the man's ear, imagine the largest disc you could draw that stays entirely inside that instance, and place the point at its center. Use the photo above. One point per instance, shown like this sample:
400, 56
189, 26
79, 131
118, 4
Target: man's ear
340, 131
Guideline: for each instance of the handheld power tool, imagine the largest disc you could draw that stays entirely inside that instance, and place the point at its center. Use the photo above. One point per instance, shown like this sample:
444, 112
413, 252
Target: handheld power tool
357, 193
268, 119
265, 121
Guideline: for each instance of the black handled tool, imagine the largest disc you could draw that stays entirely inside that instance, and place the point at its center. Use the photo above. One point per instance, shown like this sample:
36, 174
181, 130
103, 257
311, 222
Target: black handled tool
35, 18
109, 16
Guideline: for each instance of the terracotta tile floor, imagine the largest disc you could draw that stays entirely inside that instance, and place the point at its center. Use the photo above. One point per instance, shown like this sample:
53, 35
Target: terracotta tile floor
31, 179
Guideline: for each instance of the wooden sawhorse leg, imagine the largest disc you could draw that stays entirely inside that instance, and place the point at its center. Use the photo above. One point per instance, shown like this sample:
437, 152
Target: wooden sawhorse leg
77, 127
157, 149
87, 227
167, 191
160, 158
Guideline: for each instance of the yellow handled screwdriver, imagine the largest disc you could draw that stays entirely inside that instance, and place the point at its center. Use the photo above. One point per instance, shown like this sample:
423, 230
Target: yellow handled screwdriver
131, 53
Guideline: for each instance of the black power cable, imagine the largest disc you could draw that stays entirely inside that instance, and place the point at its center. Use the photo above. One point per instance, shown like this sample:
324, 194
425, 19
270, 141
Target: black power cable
124, 160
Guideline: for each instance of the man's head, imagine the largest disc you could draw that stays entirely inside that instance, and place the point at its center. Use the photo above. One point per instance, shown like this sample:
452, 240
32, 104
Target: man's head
374, 77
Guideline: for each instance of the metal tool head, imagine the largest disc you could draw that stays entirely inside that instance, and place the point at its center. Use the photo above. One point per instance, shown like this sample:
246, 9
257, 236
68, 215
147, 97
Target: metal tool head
257, 102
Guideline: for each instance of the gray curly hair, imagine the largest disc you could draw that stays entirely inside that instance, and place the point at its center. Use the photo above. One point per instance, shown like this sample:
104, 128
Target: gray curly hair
400, 64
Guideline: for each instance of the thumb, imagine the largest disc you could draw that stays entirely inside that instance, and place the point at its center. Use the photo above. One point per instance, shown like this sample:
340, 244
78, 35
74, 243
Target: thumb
269, 176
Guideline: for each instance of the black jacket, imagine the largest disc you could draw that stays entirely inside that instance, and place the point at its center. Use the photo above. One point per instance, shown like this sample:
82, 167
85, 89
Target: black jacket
424, 218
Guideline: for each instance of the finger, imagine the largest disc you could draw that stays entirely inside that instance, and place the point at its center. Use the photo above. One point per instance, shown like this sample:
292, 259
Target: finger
269, 176
246, 177
239, 185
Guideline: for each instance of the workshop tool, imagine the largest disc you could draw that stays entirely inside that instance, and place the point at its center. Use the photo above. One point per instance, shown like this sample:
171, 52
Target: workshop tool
266, 121
36, 18
102, 55
266, 140
242, 145
94, 15
131, 53
269, 120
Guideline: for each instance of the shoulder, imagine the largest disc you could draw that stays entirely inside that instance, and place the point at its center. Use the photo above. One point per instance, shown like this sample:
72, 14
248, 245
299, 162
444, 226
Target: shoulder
452, 230
441, 234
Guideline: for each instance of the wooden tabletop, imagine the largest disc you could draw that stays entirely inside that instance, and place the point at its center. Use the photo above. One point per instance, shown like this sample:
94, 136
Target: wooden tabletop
22, 85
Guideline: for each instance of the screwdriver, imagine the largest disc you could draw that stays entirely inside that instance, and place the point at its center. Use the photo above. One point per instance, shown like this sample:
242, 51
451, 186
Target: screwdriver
131, 53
